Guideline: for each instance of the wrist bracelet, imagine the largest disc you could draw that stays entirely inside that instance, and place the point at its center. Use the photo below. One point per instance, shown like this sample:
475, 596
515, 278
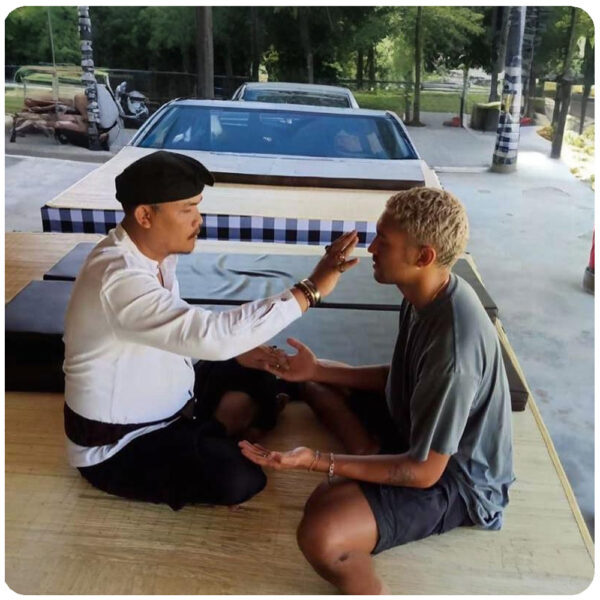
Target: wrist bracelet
315, 461
307, 293
331, 471
313, 288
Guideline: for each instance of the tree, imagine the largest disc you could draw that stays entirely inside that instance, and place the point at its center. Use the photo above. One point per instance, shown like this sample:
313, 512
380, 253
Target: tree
445, 34
204, 50
416, 119
27, 38
588, 77
498, 51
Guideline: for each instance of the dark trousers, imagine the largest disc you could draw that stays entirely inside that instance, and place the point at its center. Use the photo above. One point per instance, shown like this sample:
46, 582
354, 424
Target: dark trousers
192, 460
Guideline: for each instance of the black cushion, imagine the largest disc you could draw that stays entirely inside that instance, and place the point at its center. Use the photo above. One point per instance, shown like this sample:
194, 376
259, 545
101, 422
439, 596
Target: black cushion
231, 279
67, 268
35, 351
34, 326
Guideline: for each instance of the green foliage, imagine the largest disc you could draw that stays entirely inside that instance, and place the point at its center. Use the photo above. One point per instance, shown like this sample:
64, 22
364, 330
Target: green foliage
27, 37
589, 133
430, 101
547, 132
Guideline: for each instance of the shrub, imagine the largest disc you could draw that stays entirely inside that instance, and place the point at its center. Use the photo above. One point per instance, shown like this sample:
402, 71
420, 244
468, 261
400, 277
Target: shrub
546, 132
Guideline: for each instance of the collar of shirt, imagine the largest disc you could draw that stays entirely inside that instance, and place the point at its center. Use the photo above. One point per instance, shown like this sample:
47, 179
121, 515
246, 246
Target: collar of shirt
166, 267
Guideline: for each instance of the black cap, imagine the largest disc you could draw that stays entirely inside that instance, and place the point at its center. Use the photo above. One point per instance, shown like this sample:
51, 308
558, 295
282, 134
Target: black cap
161, 177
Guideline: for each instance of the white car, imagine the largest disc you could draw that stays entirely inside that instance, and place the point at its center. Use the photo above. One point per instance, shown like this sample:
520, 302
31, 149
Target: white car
280, 168
296, 93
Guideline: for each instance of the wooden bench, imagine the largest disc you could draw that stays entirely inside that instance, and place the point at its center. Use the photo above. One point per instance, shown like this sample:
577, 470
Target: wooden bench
65, 537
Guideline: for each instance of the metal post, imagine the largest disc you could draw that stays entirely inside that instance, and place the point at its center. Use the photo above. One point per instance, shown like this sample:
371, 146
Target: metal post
507, 138
88, 78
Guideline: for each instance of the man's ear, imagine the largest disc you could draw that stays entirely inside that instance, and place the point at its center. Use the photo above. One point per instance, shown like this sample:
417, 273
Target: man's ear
427, 256
143, 215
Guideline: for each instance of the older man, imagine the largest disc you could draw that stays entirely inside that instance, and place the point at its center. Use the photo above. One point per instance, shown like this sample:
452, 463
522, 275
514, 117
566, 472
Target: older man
142, 421
436, 451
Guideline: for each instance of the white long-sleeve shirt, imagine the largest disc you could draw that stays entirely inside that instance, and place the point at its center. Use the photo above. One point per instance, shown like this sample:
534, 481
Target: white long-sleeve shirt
129, 341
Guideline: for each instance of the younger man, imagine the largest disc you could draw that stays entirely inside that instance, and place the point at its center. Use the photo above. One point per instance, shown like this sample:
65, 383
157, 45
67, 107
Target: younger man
437, 450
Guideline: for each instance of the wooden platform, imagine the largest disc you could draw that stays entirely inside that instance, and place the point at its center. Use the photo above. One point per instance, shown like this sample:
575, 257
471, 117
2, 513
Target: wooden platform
64, 537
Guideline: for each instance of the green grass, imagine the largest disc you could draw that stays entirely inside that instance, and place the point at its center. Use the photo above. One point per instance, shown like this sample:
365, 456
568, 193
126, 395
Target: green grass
13, 100
430, 101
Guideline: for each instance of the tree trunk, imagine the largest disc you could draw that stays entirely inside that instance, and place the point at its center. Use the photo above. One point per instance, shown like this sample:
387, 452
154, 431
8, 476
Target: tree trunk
563, 92
407, 86
371, 63
88, 78
254, 50
528, 52
463, 95
204, 52
498, 48
229, 84
359, 68
531, 95
565, 96
418, 61
588, 80
507, 137
556, 110
306, 43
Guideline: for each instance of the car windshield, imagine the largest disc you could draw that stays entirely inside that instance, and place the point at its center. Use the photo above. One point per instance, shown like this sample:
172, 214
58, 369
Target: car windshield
285, 132
296, 97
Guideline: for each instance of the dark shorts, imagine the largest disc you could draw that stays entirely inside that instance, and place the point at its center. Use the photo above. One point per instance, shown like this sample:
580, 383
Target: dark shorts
404, 514
192, 460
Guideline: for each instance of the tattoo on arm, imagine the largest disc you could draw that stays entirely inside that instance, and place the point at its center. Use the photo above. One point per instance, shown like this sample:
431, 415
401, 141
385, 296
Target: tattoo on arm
400, 475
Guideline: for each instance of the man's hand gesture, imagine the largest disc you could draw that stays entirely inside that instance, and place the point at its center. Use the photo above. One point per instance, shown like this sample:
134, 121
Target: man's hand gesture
298, 458
298, 367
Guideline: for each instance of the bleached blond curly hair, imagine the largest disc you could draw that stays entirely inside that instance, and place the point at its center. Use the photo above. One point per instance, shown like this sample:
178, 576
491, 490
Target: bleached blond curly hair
433, 217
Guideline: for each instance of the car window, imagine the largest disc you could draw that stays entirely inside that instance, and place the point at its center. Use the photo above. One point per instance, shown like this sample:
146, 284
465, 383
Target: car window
284, 132
295, 97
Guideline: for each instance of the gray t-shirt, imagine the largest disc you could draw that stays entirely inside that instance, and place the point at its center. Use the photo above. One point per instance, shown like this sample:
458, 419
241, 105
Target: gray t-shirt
447, 391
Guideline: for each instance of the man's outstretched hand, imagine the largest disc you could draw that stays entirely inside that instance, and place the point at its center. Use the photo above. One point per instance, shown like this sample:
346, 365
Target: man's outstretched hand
266, 358
298, 458
301, 366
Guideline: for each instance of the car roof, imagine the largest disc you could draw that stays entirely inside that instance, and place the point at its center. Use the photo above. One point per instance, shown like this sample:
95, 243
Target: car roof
366, 112
299, 87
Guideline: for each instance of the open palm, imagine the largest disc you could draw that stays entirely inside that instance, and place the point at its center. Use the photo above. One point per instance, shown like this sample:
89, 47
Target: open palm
298, 458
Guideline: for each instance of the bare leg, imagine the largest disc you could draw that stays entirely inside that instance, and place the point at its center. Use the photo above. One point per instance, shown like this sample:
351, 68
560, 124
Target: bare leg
253, 434
337, 535
236, 411
329, 404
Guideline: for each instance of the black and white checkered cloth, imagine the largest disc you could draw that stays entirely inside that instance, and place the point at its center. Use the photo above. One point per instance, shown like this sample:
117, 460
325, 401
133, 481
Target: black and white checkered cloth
237, 228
